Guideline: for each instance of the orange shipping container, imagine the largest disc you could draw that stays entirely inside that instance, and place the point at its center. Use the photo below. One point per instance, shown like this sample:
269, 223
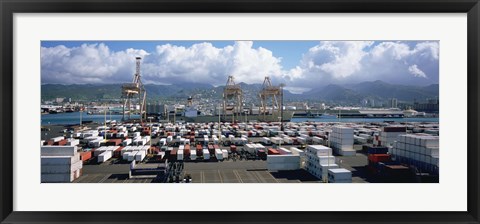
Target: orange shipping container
84, 156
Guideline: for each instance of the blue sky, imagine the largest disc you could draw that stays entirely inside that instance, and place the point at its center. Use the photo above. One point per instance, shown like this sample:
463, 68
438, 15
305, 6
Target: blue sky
290, 53
300, 64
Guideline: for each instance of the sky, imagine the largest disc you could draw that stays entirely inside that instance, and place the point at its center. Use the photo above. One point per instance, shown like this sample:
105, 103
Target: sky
300, 65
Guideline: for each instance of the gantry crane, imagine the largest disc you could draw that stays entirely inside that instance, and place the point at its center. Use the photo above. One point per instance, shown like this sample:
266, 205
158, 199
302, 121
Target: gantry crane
134, 89
232, 93
274, 92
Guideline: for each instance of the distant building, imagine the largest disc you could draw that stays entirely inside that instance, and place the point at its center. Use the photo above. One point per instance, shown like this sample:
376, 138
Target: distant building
392, 103
59, 100
431, 106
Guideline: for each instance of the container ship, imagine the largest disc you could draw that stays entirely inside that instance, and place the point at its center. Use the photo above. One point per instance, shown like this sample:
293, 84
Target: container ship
287, 116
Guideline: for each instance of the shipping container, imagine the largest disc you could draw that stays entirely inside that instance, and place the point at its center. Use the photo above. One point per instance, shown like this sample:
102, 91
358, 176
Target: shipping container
377, 150
218, 154
273, 152
206, 154
106, 155
85, 156
375, 158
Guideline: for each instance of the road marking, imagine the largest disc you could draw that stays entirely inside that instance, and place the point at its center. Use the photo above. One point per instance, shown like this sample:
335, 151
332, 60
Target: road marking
104, 178
220, 175
257, 177
269, 174
238, 176
202, 177
81, 178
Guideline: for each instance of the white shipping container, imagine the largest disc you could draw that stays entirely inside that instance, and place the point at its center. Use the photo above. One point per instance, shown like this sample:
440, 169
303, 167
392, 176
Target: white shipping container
326, 160
283, 159
57, 178
288, 140
57, 139
131, 156
61, 168
104, 156
301, 140
193, 154
337, 175
180, 154
58, 150
283, 166
284, 151
127, 142
296, 151
317, 140
206, 154
126, 155
218, 154
140, 156
59, 160
73, 142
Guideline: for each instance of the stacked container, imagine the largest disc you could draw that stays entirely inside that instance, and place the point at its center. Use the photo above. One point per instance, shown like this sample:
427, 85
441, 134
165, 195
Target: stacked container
283, 162
60, 164
318, 160
339, 175
389, 134
341, 140
420, 151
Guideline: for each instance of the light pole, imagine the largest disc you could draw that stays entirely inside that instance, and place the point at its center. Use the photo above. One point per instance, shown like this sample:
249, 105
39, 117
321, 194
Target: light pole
281, 106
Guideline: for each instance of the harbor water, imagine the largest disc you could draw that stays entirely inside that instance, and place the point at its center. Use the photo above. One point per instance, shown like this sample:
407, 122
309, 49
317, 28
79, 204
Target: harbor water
74, 118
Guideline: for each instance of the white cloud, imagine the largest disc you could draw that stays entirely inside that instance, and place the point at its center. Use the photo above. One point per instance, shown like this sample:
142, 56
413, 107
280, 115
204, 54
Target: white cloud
414, 70
357, 61
89, 63
201, 62
328, 62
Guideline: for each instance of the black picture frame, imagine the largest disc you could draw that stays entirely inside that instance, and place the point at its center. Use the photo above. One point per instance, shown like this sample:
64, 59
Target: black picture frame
9, 7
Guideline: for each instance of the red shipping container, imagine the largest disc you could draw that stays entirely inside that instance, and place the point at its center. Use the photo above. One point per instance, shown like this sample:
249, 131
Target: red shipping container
117, 152
216, 146
375, 158
199, 147
273, 152
84, 156
199, 152
61, 142
114, 142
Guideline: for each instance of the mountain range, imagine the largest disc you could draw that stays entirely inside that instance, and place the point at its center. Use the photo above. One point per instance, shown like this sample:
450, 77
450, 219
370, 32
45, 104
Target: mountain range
346, 94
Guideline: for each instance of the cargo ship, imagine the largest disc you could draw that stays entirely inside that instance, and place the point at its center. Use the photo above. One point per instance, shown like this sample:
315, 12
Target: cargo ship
287, 116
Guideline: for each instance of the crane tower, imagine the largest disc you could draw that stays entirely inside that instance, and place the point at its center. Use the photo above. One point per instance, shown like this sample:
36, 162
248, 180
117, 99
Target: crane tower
130, 92
270, 92
232, 98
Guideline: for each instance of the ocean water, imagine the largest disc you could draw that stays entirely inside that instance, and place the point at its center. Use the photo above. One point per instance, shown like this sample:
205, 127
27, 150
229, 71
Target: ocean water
74, 118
